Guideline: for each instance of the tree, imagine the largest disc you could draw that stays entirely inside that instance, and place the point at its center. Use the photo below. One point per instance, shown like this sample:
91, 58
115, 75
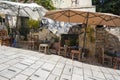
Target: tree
48, 4
108, 6
33, 23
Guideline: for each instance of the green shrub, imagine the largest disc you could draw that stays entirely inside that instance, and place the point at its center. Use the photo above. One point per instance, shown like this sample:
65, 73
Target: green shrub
33, 23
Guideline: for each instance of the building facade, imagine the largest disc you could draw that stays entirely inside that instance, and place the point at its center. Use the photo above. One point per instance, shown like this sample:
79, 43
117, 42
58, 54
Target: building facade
84, 5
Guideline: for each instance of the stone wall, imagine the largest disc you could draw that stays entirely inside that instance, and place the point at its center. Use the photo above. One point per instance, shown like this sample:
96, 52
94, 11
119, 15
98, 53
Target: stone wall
103, 38
112, 42
109, 41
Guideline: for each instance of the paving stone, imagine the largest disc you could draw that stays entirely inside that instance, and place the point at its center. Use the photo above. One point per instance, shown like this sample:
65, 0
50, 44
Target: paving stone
40, 75
2, 60
86, 66
92, 78
77, 64
43, 60
28, 71
55, 58
118, 71
3, 78
77, 77
3, 66
47, 57
29, 60
10, 72
98, 75
62, 60
20, 66
13, 56
51, 62
87, 77
53, 77
78, 71
9, 53
113, 71
116, 77
37, 65
69, 61
104, 70
60, 65
95, 68
21, 57
26, 63
20, 77
33, 58
47, 66
108, 76
68, 70
2, 55
12, 62
65, 77
38, 55
87, 72
57, 71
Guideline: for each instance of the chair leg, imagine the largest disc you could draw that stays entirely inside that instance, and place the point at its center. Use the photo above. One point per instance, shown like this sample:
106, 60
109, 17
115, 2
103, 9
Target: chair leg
72, 56
79, 57
39, 48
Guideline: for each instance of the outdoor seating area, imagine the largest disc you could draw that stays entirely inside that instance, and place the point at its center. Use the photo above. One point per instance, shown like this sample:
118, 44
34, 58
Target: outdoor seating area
59, 40
115, 58
68, 47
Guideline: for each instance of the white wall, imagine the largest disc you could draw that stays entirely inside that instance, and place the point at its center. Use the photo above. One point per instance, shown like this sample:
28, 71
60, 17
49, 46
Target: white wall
85, 5
62, 3
68, 3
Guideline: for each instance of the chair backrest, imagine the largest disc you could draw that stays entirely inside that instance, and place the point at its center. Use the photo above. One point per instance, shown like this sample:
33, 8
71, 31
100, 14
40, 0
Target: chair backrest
102, 52
101, 55
36, 37
3, 33
56, 45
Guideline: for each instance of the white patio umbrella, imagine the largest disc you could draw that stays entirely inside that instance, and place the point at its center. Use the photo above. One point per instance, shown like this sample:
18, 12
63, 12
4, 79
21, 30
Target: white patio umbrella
92, 18
31, 10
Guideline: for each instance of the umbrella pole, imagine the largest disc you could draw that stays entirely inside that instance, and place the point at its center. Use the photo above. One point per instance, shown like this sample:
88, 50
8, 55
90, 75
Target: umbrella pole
84, 40
17, 21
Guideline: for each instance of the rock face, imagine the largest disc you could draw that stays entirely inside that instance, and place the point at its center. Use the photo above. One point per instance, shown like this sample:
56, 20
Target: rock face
113, 39
109, 39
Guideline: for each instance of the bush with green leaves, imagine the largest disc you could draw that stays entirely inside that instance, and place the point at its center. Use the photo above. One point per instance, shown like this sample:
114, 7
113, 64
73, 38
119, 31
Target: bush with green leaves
33, 23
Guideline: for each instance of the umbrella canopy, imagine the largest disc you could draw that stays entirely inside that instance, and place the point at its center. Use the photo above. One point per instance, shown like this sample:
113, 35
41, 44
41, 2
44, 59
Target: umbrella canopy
76, 16
91, 18
31, 10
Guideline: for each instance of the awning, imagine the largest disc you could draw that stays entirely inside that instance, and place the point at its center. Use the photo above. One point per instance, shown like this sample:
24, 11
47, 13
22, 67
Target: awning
31, 10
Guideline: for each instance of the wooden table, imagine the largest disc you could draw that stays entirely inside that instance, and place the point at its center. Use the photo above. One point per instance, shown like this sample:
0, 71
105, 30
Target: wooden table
43, 47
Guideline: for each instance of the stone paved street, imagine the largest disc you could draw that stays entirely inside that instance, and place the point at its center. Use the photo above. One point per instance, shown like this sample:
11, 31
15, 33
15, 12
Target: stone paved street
19, 64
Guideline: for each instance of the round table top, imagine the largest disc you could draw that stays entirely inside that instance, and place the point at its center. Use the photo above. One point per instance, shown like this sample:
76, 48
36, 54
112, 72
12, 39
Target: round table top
43, 44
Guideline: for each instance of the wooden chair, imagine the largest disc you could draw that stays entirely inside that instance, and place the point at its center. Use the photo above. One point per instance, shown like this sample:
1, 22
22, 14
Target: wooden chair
103, 58
63, 51
55, 48
31, 43
4, 38
118, 61
77, 53
0, 42
36, 41
44, 48
115, 62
